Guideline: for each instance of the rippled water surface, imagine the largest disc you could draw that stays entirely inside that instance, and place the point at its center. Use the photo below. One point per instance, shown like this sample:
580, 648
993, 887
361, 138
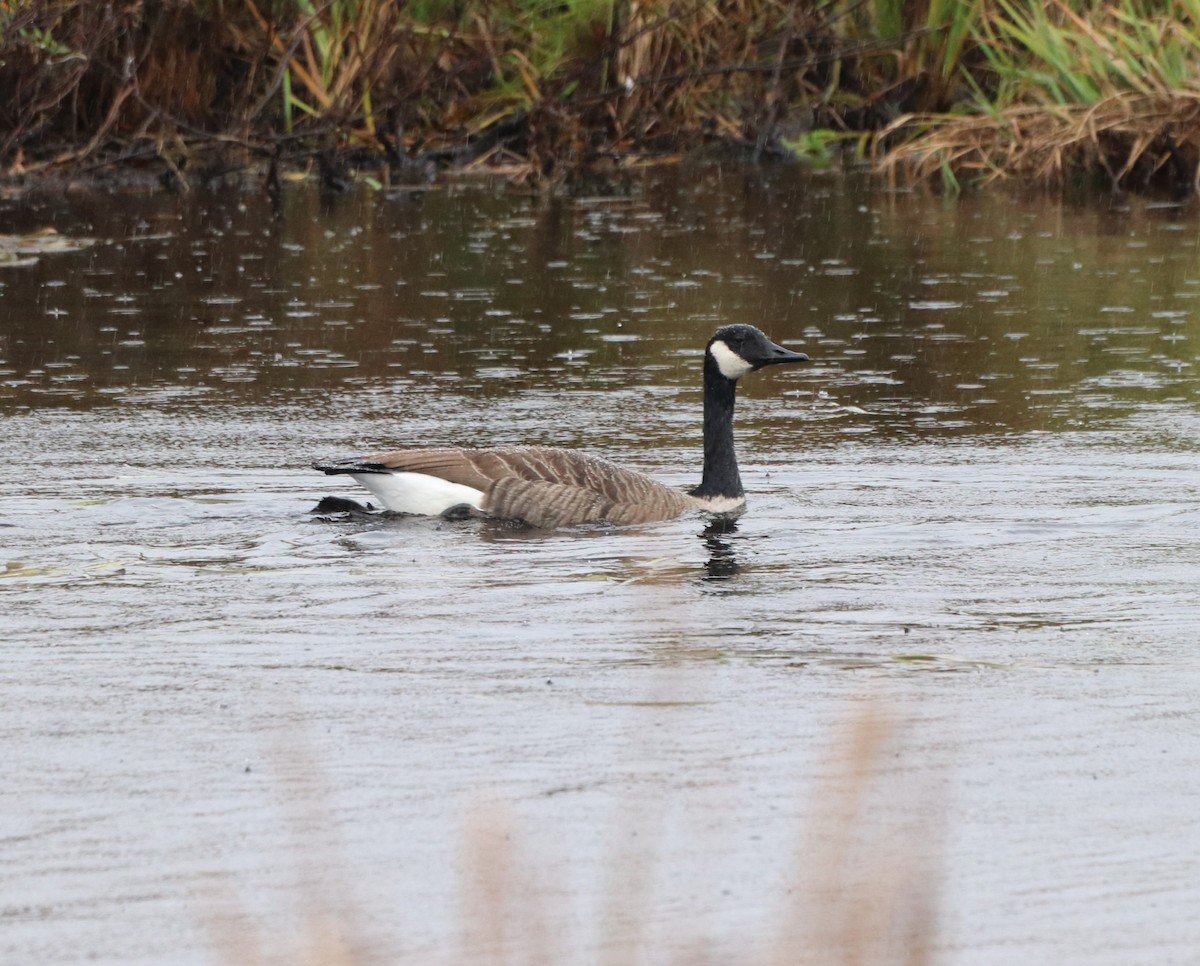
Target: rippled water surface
936, 690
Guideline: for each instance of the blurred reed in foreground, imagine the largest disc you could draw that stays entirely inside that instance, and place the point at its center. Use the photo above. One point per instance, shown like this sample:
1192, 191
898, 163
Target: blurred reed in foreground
861, 890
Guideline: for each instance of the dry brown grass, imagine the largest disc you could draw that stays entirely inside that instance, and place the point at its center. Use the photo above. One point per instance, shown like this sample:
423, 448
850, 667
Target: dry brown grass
548, 91
864, 882
725, 70
862, 888
553, 88
1128, 137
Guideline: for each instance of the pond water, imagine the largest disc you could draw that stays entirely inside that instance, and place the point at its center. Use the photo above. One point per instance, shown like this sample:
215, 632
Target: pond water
931, 699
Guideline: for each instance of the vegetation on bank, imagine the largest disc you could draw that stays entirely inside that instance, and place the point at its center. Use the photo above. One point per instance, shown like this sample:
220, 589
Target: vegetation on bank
546, 90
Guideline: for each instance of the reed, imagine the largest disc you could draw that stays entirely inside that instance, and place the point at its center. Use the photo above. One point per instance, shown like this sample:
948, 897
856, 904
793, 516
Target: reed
859, 879
1068, 90
963, 90
922, 49
330, 59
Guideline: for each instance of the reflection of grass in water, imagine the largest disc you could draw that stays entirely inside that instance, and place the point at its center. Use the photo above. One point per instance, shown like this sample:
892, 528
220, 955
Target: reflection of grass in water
862, 891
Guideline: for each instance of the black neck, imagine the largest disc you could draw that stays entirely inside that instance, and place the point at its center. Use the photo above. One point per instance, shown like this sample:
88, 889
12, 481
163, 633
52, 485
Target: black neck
720, 462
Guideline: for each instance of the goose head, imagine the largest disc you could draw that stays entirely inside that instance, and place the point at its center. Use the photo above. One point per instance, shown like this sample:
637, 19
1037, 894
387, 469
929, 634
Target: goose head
739, 349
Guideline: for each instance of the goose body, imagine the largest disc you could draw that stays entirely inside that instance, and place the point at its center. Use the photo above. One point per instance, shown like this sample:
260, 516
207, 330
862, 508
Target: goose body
549, 487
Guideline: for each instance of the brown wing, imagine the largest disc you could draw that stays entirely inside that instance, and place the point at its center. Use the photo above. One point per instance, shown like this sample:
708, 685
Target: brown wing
543, 504
456, 465
572, 487
550, 505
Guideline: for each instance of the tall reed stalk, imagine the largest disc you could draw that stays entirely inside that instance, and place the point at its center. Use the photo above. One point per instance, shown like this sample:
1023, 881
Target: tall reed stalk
924, 44
331, 58
1069, 87
963, 89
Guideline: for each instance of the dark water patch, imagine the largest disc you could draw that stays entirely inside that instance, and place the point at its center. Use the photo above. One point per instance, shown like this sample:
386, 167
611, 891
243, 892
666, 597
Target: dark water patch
970, 318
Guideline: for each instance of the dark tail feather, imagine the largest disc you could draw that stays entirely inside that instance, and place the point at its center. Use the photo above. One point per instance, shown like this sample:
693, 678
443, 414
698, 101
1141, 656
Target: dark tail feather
341, 506
350, 466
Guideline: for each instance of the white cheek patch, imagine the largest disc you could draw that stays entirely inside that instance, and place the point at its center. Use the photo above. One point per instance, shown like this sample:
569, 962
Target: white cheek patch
732, 365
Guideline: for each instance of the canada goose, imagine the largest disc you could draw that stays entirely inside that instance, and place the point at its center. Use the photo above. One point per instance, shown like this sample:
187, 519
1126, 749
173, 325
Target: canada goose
548, 487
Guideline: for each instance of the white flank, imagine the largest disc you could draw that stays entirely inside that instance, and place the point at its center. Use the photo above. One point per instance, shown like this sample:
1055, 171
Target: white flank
418, 492
732, 365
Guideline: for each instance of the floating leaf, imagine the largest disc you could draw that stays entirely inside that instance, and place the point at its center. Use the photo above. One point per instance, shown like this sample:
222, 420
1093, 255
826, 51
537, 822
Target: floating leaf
21, 250
17, 568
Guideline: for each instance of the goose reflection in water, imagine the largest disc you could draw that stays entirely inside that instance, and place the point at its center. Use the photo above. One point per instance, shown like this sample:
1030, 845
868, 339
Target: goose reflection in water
722, 562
